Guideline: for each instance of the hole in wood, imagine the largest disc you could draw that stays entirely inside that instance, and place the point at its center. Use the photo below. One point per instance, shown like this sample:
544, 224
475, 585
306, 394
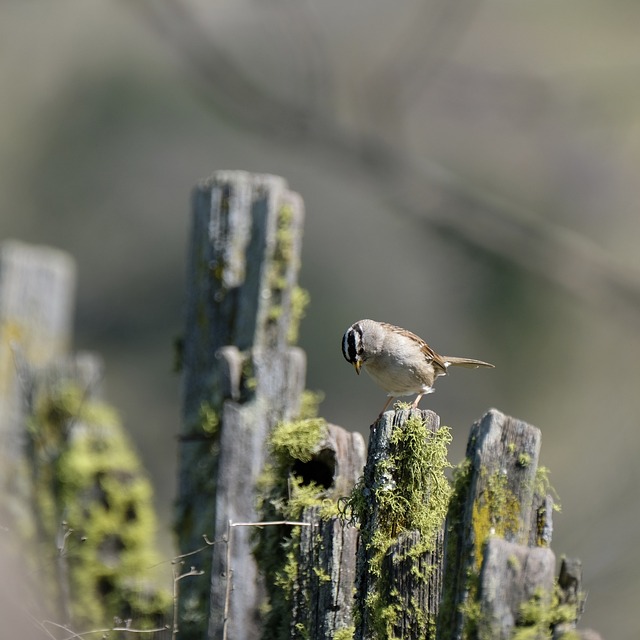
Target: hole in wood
320, 469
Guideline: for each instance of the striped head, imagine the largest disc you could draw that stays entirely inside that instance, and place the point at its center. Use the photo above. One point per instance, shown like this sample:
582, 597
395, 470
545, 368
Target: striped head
353, 347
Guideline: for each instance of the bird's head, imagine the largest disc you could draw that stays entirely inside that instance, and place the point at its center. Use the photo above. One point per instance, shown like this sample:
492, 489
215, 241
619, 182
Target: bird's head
353, 347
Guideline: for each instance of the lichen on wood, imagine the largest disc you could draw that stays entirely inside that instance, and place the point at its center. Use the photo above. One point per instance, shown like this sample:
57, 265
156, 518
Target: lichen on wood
403, 496
92, 494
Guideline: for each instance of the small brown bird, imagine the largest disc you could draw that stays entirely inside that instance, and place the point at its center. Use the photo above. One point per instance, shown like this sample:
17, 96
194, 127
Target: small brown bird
399, 361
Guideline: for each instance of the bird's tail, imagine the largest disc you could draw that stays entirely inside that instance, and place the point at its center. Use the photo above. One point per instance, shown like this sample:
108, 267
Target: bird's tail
468, 363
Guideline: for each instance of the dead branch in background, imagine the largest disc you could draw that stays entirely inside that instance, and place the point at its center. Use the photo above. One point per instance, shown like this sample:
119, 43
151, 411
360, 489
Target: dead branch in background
428, 193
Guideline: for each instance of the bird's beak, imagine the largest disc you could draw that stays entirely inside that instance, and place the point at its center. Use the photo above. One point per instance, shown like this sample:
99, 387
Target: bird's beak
357, 365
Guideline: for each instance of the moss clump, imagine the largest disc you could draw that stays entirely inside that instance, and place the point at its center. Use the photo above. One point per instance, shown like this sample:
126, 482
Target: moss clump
544, 487
297, 440
344, 634
538, 617
208, 419
89, 481
410, 493
284, 496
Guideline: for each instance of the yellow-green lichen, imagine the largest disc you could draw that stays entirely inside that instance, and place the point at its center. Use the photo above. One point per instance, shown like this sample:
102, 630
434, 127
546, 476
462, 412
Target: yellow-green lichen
538, 616
544, 487
285, 261
495, 512
524, 460
208, 419
88, 480
300, 299
298, 439
346, 633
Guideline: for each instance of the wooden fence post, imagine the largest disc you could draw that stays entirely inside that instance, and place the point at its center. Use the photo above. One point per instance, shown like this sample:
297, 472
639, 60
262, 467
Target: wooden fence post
498, 567
75, 504
322, 598
401, 505
496, 494
37, 290
241, 376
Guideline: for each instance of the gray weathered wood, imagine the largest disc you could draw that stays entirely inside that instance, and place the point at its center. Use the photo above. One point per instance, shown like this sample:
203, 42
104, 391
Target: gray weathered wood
241, 376
323, 590
322, 602
37, 290
570, 593
512, 574
502, 454
407, 587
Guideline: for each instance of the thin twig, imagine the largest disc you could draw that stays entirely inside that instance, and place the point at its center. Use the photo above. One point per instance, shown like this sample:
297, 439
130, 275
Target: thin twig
229, 573
176, 591
271, 523
83, 634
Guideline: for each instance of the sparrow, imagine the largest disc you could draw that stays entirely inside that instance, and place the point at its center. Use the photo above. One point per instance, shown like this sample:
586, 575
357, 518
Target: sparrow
398, 360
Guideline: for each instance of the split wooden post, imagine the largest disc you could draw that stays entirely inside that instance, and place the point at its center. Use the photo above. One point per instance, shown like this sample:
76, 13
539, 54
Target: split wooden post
241, 376
497, 496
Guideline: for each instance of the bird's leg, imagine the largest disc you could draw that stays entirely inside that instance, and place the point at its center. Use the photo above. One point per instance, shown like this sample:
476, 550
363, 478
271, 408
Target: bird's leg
387, 403
415, 403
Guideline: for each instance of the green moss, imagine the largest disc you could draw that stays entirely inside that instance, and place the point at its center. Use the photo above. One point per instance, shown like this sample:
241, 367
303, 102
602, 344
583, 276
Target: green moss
495, 512
88, 476
540, 614
524, 460
297, 440
322, 576
411, 493
544, 487
344, 634
208, 419
300, 299
455, 525
284, 261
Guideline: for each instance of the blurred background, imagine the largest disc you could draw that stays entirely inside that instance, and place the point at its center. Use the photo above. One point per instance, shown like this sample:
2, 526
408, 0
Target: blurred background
470, 172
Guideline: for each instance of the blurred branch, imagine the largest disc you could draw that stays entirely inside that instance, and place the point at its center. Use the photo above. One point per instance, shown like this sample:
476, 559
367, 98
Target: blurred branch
406, 63
431, 195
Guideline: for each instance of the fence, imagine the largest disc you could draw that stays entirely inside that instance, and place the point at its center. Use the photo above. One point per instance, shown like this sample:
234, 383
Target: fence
287, 526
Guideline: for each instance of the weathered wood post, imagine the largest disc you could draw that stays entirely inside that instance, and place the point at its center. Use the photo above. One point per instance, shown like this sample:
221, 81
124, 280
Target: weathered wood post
75, 503
241, 376
401, 504
322, 592
498, 567
37, 291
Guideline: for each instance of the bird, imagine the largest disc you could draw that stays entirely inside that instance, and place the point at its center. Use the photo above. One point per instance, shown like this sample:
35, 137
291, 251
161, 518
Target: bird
398, 360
